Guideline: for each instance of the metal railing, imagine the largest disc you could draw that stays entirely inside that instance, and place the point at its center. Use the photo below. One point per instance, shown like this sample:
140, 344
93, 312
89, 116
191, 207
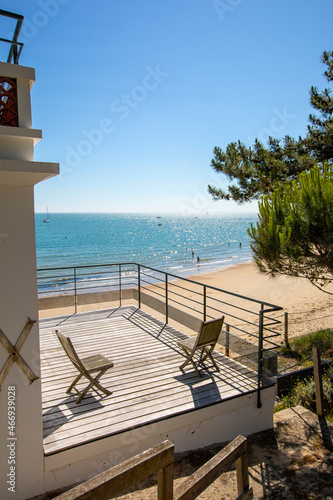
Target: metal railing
250, 326
15, 46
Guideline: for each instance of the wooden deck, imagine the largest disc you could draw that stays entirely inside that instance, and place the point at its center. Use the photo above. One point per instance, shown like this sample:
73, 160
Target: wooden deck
146, 383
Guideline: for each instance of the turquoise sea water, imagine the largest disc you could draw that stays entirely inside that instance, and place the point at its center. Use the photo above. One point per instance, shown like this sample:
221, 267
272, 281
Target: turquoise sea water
163, 242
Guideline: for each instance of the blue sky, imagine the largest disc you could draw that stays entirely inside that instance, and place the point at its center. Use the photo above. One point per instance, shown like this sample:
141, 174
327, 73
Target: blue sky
132, 96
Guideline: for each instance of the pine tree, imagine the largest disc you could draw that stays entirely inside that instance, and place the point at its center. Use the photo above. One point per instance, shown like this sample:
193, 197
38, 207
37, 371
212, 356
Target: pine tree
320, 131
259, 169
294, 235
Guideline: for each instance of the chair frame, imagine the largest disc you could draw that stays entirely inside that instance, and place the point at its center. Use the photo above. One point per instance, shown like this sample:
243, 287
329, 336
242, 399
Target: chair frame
86, 366
206, 341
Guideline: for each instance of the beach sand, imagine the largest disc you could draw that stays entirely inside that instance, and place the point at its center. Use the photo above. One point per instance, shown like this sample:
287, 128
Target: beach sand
308, 308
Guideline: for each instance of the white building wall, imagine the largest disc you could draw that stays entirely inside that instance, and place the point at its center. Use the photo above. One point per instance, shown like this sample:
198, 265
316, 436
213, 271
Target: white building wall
21, 445
18, 295
215, 424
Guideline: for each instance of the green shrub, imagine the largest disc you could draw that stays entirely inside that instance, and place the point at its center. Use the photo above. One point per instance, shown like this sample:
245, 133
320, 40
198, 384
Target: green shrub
304, 394
302, 346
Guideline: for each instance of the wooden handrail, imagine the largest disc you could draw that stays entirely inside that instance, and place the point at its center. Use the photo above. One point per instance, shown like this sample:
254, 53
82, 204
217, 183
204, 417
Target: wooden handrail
114, 481
236, 451
160, 459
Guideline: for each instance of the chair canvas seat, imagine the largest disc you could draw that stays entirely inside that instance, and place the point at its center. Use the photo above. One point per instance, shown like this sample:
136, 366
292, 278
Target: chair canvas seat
96, 362
203, 344
85, 366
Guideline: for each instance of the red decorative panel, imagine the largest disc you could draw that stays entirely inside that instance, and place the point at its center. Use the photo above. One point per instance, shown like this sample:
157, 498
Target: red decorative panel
8, 102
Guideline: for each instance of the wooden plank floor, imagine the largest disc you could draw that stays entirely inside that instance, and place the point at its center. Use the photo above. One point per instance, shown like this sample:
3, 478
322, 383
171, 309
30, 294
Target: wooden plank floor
146, 382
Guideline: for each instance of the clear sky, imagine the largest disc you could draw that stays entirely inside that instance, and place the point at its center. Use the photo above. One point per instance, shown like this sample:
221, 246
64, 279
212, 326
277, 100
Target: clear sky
133, 95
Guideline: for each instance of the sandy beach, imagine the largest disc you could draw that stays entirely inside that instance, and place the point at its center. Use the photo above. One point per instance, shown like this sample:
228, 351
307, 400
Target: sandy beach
309, 309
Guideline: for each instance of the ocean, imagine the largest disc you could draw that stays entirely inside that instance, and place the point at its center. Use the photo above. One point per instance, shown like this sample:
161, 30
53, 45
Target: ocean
169, 243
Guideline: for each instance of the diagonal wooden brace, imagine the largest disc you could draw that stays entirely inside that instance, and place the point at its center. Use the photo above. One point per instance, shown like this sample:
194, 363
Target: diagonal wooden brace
14, 356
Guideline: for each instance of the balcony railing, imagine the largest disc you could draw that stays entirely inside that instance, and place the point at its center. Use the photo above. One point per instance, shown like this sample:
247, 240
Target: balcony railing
251, 326
15, 46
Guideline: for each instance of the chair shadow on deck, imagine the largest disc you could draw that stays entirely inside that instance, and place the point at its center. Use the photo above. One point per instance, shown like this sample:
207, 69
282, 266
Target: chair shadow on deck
205, 390
91, 404
231, 372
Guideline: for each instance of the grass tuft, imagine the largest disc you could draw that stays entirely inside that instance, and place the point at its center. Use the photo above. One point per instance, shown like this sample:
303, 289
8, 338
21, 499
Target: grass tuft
301, 347
303, 392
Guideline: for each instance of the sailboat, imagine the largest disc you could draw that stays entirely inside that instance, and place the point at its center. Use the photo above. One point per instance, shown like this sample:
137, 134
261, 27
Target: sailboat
47, 219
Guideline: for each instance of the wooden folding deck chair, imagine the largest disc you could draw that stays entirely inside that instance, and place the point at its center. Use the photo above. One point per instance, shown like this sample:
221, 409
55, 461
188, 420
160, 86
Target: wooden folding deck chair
86, 366
205, 342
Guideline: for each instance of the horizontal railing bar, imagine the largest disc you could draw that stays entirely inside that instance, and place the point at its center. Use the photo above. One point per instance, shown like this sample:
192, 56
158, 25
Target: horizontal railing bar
148, 279
244, 331
232, 316
80, 288
187, 298
153, 291
147, 284
12, 42
271, 323
56, 275
272, 307
187, 289
235, 306
270, 348
12, 15
247, 322
270, 342
94, 280
156, 278
187, 307
94, 276
272, 336
101, 271
87, 266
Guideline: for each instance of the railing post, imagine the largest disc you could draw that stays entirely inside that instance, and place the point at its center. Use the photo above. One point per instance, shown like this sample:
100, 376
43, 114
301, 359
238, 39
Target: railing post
205, 303
227, 340
318, 381
139, 287
119, 285
242, 471
75, 296
260, 344
166, 299
165, 483
286, 339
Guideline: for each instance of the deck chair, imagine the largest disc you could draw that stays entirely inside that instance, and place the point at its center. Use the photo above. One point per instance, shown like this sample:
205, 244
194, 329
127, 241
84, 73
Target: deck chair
86, 367
204, 342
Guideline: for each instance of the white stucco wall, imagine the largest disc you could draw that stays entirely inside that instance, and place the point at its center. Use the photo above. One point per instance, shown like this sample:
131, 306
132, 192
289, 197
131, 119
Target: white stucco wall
21, 454
214, 424
18, 301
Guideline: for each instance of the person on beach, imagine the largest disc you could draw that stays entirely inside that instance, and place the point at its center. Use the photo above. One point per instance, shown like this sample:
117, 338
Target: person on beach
198, 260
192, 254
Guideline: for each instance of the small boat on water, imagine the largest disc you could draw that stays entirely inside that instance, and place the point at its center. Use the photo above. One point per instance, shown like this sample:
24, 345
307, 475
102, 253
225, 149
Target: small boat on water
47, 219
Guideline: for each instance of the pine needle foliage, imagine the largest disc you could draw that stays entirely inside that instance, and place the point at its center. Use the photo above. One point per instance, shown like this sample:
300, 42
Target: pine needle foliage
294, 234
319, 140
258, 170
